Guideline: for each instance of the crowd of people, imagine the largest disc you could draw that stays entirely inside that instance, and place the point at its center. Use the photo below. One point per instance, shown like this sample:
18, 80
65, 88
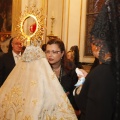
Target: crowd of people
33, 73
98, 98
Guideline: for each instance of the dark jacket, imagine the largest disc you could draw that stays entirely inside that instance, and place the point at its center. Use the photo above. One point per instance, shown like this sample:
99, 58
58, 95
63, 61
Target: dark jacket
68, 80
96, 99
7, 63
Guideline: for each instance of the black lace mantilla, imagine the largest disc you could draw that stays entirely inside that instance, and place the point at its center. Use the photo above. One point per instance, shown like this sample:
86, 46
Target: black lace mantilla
107, 29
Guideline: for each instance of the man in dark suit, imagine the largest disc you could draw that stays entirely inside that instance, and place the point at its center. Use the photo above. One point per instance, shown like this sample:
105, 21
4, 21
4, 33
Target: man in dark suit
9, 60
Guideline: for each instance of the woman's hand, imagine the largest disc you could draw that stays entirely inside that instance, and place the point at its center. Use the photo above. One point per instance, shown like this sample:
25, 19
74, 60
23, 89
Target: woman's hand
84, 73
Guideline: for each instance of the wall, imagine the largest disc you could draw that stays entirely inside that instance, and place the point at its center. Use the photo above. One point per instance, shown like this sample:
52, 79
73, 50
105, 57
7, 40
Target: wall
55, 11
69, 22
69, 25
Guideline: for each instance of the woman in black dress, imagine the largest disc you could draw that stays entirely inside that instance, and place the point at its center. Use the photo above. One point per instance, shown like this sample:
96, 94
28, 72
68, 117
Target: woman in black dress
62, 67
99, 98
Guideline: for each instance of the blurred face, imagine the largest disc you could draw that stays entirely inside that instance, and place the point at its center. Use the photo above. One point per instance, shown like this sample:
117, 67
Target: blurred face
70, 56
17, 45
54, 54
95, 50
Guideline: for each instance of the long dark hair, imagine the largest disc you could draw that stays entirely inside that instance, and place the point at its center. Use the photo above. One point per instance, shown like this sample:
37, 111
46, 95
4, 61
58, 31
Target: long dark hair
43, 47
76, 53
65, 63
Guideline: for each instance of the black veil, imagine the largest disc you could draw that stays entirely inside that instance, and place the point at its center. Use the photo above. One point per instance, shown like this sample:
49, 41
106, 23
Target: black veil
107, 29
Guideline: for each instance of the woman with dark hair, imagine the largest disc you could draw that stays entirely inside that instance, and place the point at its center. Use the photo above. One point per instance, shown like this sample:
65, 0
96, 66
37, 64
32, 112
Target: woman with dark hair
75, 51
99, 98
62, 67
43, 47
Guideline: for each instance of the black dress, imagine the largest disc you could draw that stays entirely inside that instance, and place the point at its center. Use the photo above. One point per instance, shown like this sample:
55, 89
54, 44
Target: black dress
68, 80
95, 63
96, 99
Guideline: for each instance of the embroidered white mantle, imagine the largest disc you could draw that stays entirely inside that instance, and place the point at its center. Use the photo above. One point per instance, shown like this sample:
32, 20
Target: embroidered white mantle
32, 91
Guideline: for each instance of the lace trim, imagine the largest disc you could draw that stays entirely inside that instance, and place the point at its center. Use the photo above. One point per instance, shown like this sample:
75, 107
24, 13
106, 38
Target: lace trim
32, 53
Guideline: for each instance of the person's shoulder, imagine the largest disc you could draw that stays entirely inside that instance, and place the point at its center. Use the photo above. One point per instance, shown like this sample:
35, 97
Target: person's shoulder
101, 68
7, 55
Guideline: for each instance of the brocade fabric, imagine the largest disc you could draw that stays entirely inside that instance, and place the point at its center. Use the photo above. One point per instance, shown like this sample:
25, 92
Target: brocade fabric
33, 92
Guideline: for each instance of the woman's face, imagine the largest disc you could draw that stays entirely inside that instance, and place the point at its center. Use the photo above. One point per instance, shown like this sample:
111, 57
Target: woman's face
53, 54
70, 56
95, 50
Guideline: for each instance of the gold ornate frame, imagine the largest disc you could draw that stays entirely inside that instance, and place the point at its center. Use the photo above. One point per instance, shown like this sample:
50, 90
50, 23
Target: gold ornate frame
40, 24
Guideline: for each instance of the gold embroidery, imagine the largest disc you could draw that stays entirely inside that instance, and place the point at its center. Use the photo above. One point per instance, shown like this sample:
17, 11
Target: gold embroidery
60, 111
33, 82
34, 102
48, 117
27, 118
13, 104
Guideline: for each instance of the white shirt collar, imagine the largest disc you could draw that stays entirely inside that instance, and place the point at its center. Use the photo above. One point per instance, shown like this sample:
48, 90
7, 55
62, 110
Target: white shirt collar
14, 54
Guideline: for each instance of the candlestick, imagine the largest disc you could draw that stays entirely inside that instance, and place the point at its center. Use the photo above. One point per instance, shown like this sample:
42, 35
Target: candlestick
52, 22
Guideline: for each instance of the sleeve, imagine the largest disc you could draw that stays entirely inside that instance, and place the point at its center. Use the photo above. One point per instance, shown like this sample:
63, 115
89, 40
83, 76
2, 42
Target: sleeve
81, 95
74, 80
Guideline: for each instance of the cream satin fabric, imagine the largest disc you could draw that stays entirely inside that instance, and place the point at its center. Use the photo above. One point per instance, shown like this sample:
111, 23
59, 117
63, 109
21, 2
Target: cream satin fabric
32, 92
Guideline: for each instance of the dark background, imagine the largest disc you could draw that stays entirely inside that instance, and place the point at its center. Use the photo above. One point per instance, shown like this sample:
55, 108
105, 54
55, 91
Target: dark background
5, 15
